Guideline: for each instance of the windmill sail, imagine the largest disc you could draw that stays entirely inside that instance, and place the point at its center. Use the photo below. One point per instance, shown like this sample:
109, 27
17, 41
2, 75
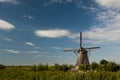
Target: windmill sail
92, 48
81, 53
70, 49
80, 39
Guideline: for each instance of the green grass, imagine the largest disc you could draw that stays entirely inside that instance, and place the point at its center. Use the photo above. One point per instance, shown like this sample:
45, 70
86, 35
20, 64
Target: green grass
96, 71
19, 74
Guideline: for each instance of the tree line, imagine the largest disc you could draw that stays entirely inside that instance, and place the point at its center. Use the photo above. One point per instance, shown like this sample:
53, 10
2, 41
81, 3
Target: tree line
103, 65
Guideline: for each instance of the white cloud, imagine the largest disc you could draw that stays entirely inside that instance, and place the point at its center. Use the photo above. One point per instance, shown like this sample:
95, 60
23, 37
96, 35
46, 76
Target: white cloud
28, 17
105, 34
56, 48
54, 56
55, 33
4, 25
48, 56
108, 28
58, 1
77, 3
11, 51
36, 47
9, 1
39, 55
109, 3
30, 44
81, 3
69, 0
106, 13
7, 39
32, 52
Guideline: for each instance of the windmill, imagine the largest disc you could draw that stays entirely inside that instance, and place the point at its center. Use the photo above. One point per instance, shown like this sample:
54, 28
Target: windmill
82, 53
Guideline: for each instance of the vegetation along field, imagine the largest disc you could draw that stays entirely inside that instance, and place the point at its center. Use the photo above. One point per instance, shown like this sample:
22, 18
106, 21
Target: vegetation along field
96, 71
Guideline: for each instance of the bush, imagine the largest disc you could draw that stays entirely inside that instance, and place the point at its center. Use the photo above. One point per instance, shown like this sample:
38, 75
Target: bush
70, 66
52, 68
94, 66
57, 67
61, 67
64, 68
82, 67
111, 66
2, 66
40, 67
103, 62
33, 68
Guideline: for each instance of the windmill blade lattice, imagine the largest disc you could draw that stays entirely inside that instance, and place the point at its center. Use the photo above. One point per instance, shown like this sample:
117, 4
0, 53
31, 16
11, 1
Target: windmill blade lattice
81, 53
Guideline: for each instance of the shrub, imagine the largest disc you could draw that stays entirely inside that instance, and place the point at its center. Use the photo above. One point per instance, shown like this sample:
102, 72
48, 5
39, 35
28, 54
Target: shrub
57, 67
103, 62
40, 67
64, 68
33, 68
82, 67
2, 66
61, 67
70, 66
111, 66
94, 66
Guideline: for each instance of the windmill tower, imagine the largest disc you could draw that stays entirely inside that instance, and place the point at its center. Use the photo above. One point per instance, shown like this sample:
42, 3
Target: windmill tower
82, 56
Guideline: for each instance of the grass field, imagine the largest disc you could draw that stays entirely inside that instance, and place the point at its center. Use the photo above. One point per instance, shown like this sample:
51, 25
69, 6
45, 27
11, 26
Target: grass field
23, 73
96, 71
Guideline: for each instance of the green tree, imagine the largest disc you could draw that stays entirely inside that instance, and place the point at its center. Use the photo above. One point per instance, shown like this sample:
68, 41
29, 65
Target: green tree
111, 66
103, 62
94, 65
61, 67
33, 68
82, 67
2, 66
42, 67
57, 66
70, 66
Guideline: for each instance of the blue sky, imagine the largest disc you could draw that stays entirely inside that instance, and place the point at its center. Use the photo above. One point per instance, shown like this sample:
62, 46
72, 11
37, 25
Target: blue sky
37, 31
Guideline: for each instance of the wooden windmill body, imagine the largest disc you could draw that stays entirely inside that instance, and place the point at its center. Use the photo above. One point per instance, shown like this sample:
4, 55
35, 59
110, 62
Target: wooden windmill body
82, 53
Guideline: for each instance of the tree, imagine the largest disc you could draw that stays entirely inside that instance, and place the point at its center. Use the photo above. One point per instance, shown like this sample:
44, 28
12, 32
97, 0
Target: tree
33, 68
103, 62
2, 66
111, 66
57, 66
70, 66
61, 67
42, 67
39, 67
94, 66
82, 67
64, 68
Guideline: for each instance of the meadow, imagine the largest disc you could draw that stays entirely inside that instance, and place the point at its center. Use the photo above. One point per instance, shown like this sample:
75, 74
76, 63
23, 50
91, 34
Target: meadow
60, 72
57, 75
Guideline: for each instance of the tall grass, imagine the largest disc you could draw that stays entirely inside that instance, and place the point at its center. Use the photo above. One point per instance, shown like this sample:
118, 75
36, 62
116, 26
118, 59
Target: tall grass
103, 71
57, 75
